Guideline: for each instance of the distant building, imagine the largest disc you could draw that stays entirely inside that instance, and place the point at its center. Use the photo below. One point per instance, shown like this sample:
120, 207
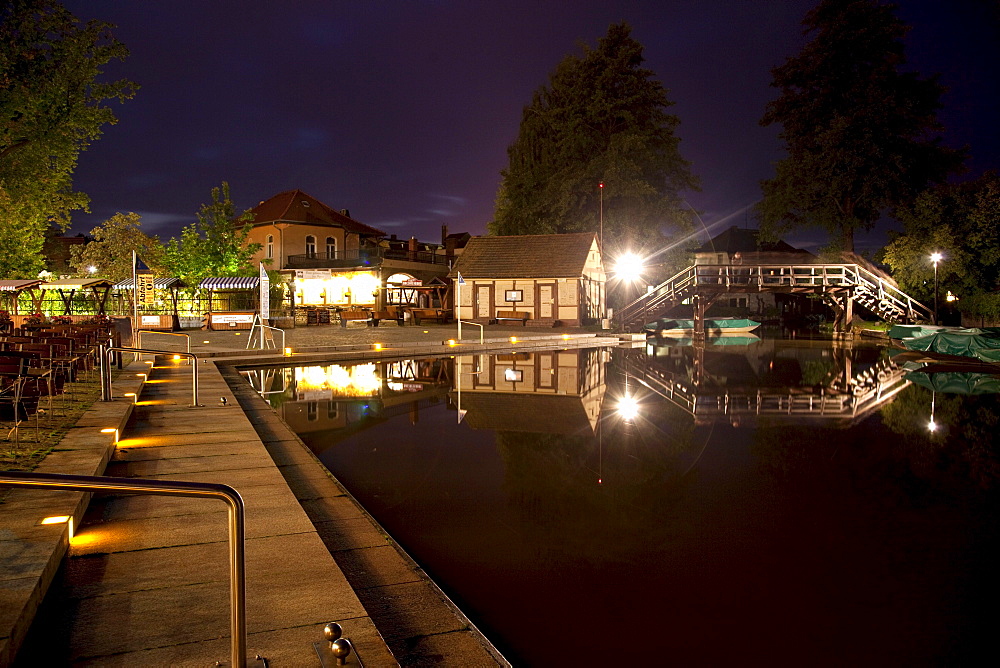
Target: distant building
552, 278
56, 251
741, 246
330, 259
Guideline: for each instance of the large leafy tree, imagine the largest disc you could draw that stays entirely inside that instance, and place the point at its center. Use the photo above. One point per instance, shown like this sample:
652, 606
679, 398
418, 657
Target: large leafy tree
110, 252
601, 118
215, 245
861, 133
52, 107
962, 222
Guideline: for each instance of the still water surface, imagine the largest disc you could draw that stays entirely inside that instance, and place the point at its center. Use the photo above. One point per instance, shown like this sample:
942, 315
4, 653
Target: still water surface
779, 501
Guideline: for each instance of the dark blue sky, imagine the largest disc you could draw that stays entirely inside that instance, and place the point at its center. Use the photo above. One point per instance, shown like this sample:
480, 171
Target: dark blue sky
401, 111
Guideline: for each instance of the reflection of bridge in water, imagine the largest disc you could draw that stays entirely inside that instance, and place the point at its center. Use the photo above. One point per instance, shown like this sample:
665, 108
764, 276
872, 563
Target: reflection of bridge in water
849, 392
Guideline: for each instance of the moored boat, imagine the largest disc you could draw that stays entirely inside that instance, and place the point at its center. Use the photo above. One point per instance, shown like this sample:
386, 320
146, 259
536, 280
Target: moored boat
713, 327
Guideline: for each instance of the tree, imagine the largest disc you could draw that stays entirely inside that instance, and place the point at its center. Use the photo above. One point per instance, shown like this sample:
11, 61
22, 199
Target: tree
216, 245
962, 222
601, 118
111, 250
51, 108
861, 134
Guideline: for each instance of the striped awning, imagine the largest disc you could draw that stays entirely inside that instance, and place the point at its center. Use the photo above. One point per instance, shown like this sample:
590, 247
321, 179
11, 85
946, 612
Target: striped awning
230, 283
18, 285
158, 283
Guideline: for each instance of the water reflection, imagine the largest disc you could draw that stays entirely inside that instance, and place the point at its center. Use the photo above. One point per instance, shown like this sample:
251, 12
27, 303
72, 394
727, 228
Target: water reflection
698, 502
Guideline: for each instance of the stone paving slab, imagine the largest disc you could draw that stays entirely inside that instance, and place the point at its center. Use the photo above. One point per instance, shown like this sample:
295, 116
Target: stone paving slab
170, 427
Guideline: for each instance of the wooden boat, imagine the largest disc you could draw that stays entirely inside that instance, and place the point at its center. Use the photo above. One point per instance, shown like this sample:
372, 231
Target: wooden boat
713, 327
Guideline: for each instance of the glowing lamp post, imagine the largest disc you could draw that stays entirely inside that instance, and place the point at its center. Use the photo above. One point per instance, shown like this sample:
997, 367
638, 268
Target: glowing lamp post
935, 258
629, 267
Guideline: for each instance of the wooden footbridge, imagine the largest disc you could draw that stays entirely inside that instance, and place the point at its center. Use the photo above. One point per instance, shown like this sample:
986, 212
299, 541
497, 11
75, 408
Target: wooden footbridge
840, 285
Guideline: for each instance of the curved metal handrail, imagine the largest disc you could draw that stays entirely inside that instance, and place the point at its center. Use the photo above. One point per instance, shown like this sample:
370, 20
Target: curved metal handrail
237, 530
105, 354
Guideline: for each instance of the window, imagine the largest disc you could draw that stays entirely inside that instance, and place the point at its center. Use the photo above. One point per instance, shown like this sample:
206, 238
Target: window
310, 246
270, 246
331, 248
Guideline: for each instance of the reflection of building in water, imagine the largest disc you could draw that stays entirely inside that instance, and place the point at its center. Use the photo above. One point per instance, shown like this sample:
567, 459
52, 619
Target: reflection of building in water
773, 379
558, 391
334, 396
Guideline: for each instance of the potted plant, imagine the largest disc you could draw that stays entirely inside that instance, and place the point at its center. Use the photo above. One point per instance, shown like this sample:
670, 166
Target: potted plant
35, 319
61, 320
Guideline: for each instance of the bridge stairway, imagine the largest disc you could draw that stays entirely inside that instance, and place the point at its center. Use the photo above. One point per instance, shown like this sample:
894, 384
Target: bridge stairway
841, 285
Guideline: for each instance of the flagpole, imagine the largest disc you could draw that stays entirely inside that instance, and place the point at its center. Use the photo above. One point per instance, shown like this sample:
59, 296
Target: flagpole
135, 303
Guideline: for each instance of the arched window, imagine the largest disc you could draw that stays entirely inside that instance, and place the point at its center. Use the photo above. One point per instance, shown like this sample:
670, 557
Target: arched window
270, 246
331, 248
310, 246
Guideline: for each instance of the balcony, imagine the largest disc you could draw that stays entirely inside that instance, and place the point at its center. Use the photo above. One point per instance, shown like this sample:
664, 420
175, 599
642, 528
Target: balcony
361, 257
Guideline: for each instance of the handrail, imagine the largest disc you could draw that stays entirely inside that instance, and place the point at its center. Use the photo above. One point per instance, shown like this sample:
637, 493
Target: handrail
263, 326
105, 352
237, 530
140, 332
481, 334
889, 299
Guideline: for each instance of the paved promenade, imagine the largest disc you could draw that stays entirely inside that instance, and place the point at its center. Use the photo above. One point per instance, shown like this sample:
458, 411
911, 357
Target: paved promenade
145, 581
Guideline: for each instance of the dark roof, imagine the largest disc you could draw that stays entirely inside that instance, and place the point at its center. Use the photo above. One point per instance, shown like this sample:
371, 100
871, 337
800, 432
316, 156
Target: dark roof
525, 256
742, 240
295, 206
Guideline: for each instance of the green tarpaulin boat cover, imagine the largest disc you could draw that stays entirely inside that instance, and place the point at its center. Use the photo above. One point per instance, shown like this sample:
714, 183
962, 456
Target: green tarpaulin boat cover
957, 383
981, 343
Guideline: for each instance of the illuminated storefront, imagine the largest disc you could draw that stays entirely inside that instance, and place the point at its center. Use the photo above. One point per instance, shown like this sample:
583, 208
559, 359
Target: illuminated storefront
322, 287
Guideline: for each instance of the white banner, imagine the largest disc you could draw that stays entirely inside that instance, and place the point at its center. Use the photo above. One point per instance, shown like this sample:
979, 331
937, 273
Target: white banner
265, 295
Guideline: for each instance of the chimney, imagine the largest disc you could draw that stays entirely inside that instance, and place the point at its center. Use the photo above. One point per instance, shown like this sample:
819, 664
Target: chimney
412, 248
444, 234
346, 213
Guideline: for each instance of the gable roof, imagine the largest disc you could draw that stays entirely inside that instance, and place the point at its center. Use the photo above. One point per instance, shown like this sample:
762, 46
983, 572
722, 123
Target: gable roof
742, 240
295, 206
525, 256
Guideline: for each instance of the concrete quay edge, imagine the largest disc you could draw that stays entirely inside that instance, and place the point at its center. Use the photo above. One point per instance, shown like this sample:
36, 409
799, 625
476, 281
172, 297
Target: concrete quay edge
31, 554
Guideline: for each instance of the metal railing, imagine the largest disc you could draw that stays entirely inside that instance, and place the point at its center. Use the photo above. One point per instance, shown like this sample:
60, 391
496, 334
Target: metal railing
237, 531
363, 257
140, 332
876, 293
106, 352
262, 327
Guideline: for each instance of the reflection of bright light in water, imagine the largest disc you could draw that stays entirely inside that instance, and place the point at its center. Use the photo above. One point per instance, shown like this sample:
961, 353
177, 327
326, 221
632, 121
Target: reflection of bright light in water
628, 408
358, 381
932, 425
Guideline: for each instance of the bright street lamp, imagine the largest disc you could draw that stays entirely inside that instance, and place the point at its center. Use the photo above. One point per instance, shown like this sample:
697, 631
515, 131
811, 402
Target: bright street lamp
629, 267
935, 258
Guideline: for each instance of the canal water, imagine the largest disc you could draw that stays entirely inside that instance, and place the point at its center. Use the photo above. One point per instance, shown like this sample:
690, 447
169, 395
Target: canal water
794, 502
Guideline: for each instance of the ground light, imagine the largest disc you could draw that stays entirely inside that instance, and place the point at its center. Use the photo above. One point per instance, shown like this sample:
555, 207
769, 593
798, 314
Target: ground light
60, 519
111, 430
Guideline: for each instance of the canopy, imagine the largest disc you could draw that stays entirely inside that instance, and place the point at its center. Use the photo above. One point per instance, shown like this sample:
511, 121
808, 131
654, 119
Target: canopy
18, 285
158, 283
230, 283
76, 284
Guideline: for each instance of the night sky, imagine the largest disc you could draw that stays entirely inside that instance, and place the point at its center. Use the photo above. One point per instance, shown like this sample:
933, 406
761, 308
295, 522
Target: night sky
401, 111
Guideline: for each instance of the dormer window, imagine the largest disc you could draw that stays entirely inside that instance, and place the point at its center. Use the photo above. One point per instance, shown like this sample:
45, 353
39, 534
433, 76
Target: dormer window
310, 246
